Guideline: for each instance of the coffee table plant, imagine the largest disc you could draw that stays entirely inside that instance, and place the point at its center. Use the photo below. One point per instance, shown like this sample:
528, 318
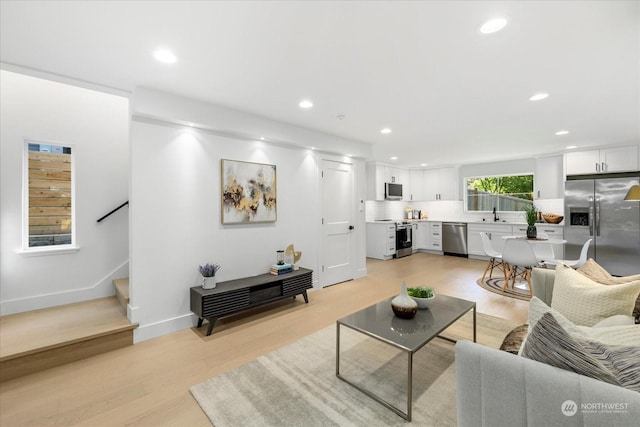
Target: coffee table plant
422, 295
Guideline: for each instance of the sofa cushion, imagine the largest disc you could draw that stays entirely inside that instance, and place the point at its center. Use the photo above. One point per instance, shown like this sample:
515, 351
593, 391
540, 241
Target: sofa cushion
537, 309
613, 335
549, 343
596, 272
618, 334
586, 302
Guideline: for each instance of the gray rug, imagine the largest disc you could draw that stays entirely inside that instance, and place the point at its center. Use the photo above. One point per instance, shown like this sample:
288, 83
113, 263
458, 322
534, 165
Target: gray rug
297, 386
495, 285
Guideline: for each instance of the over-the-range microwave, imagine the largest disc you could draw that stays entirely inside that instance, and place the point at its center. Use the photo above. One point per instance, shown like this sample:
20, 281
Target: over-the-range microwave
392, 191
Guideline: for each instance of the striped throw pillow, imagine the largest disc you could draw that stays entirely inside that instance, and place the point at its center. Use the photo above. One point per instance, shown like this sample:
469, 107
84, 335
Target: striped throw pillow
549, 343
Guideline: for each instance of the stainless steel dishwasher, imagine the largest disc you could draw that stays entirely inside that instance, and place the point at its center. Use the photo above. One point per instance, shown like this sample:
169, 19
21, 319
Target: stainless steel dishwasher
454, 239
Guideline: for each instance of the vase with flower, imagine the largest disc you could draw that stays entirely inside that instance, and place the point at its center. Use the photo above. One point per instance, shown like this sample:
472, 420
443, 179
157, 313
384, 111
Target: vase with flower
208, 272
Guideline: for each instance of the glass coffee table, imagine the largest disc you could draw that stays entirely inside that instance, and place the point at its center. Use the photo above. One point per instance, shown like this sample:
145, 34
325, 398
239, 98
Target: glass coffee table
376, 321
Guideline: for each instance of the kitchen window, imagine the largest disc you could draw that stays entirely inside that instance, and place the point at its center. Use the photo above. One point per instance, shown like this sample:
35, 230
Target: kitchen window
49, 217
504, 193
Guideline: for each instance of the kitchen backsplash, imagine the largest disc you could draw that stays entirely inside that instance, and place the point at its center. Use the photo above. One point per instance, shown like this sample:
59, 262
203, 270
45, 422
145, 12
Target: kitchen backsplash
443, 210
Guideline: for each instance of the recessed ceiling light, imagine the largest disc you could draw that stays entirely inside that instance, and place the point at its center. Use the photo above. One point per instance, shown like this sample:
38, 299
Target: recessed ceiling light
562, 132
539, 96
305, 103
393, 158
165, 56
424, 164
313, 148
385, 131
493, 26
571, 147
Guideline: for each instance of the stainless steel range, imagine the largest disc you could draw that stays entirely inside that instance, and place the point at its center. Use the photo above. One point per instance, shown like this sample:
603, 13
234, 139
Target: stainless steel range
404, 234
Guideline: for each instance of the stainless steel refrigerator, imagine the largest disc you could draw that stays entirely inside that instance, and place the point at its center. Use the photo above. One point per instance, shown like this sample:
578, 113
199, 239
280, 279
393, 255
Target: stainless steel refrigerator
595, 209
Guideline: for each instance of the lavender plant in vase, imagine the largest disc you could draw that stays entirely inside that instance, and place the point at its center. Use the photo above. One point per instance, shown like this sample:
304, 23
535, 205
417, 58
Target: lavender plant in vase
208, 272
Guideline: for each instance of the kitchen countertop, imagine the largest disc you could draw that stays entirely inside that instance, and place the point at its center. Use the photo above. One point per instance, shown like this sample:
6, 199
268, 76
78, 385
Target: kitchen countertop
468, 221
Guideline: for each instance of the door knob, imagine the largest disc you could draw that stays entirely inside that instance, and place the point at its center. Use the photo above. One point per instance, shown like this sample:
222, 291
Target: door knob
351, 227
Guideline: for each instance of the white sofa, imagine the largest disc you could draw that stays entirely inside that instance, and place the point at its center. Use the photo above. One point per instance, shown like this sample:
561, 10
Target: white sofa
496, 388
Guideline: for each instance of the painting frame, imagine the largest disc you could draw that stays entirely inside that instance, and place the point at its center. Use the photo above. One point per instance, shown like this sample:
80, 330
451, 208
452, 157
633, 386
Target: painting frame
248, 192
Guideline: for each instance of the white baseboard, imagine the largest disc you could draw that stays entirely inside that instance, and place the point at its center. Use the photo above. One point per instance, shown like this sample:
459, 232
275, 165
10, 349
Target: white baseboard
164, 327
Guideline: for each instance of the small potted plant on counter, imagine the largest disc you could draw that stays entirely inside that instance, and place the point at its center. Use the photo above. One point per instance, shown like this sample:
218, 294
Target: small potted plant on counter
208, 272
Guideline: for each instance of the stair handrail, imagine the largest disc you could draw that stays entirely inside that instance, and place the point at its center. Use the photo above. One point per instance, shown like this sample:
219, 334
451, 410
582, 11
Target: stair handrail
113, 211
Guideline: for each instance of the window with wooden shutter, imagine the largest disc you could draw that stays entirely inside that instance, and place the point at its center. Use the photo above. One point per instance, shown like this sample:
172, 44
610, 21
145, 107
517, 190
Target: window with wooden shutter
49, 195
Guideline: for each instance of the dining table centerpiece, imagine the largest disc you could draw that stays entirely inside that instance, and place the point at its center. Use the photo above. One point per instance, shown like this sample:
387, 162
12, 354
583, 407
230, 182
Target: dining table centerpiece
531, 215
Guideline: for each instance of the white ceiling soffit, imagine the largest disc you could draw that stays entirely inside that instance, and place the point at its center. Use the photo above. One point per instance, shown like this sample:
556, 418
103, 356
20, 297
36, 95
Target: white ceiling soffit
448, 93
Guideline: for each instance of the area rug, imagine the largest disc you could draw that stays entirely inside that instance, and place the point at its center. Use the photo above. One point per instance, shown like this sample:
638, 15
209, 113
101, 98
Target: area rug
296, 385
495, 284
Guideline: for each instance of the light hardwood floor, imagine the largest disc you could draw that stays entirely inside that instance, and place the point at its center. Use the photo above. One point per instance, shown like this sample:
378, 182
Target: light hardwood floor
148, 384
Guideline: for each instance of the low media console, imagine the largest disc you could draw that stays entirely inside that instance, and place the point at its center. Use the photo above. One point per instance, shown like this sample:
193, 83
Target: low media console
241, 294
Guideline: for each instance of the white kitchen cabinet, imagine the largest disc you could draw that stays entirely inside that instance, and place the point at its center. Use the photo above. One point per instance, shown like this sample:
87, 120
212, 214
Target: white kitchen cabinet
605, 160
417, 184
416, 180
381, 240
378, 174
549, 178
441, 184
495, 231
420, 235
393, 174
431, 188
448, 183
375, 181
405, 179
434, 236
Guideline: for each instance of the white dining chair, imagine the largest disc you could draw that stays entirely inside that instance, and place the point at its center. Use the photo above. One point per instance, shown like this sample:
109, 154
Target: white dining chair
520, 259
495, 257
544, 252
575, 263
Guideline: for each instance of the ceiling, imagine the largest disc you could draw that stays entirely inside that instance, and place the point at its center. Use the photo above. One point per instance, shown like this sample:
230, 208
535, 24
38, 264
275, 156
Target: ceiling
450, 94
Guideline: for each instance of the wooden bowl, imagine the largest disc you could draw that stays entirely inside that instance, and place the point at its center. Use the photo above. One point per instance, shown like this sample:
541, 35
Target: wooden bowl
552, 218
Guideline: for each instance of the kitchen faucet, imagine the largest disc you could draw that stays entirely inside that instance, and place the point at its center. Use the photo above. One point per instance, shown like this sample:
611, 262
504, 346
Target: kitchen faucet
495, 216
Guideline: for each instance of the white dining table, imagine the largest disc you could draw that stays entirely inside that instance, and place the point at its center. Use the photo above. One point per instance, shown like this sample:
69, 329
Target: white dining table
543, 253
551, 241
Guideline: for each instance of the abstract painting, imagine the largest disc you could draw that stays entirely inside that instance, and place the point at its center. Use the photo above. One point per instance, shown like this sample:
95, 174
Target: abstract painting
248, 192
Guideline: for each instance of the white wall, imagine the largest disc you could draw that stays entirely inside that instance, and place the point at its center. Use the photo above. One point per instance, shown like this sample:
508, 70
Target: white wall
175, 211
97, 126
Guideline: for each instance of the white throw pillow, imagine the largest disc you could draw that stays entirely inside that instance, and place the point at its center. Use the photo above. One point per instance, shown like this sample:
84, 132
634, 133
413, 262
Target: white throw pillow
617, 320
613, 335
628, 334
586, 302
538, 308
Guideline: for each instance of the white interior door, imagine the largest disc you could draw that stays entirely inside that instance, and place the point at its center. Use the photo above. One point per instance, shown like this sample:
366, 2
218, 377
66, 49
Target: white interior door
337, 222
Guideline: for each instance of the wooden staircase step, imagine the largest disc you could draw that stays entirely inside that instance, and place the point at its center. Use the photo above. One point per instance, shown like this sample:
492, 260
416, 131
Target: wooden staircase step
122, 291
42, 339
